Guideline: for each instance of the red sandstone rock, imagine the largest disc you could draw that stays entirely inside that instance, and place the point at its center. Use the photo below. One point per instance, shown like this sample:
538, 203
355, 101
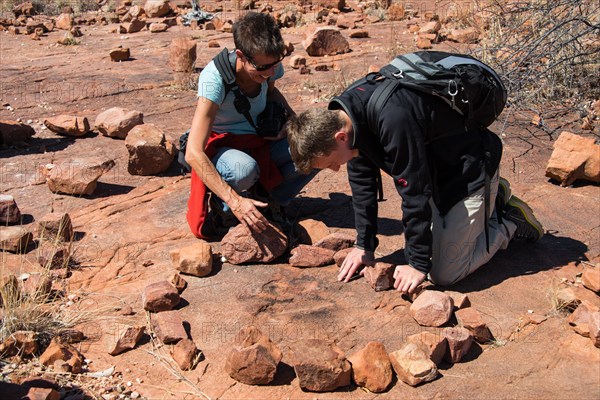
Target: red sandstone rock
326, 41
297, 61
160, 296
63, 352
68, 125
434, 344
120, 54
254, 358
168, 326
468, 35
184, 353
23, 343
196, 259
380, 276
179, 283
240, 245
310, 256
471, 319
371, 367
14, 132
9, 211
412, 365
320, 366
149, 151
116, 122
459, 343
15, 239
432, 308
591, 279
124, 338
340, 256
55, 227
77, 176
574, 157
38, 393
336, 241
311, 231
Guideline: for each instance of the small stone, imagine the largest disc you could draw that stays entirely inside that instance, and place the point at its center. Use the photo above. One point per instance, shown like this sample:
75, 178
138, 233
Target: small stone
432, 308
38, 393
358, 34
580, 318
423, 43
157, 8
149, 151
395, 12
64, 22
55, 227
574, 157
213, 44
566, 300
459, 343
434, 344
120, 54
371, 367
468, 35
126, 310
471, 319
184, 353
9, 211
125, 338
321, 366
77, 176
160, 296
15, 239
344, 22
304, 70
590, 278
116, 122
240, 245
53, 255
63, 352
594, 328
134, 26
23, 343
310, 256
341, 255
168, 326
157, 27
412, 365
380, 276
461, 301
254, 358
196, 259
336, 241
310, 231
37, 286
179, 283
14, 132
326, 41
296, 61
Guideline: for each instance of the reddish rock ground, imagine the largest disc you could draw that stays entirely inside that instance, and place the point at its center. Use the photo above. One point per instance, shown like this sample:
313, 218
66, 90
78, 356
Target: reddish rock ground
127, 228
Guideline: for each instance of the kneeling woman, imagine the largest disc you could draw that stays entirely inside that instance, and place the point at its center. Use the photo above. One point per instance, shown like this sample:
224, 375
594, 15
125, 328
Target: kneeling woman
223, 149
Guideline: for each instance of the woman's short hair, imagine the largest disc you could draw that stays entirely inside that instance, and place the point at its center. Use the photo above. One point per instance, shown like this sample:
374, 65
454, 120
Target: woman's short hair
258, 33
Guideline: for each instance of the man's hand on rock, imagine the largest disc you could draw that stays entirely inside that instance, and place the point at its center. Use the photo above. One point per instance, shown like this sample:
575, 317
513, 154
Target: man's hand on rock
353, 261
407, 278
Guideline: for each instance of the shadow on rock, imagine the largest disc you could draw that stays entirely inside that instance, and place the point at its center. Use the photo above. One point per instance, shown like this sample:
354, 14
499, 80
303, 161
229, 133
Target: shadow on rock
110, 189
521, 258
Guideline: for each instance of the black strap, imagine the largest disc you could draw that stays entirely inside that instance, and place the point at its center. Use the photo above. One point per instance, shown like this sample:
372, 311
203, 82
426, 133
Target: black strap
378, 99
227, 71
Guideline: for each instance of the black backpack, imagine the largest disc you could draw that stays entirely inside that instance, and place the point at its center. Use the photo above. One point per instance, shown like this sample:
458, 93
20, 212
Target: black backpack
466, 84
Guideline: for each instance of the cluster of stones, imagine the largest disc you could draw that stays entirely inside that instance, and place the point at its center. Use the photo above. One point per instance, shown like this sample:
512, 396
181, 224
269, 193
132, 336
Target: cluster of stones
584, 315
149, 151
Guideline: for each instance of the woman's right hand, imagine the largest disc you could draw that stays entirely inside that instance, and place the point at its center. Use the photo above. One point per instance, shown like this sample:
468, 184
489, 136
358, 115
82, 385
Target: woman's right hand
246, 211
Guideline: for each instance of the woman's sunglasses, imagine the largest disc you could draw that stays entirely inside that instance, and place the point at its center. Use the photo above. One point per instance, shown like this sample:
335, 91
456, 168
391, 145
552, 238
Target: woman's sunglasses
265, 67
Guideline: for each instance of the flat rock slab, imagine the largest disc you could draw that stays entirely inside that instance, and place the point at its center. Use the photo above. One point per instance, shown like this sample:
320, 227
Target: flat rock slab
413, 365
168, 326
160, 296
116, 122
305, 256
77, 177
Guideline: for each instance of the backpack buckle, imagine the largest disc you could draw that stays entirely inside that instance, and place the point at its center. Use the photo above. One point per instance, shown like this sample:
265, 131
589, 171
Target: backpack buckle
398, 75
452, 90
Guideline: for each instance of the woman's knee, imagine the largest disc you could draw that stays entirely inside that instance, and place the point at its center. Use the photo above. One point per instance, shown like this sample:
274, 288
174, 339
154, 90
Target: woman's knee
238, 169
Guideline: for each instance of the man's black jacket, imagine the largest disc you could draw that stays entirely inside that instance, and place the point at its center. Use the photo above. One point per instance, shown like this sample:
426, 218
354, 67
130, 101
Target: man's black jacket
423, 145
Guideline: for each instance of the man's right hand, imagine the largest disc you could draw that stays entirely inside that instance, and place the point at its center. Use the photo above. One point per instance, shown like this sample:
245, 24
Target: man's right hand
246, 212
354, 260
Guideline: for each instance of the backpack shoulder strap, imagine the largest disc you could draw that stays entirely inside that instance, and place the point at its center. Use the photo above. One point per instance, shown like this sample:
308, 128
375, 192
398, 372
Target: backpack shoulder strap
227, 71
378, 99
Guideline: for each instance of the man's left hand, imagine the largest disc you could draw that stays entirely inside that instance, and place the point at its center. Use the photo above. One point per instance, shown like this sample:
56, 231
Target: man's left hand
407, 278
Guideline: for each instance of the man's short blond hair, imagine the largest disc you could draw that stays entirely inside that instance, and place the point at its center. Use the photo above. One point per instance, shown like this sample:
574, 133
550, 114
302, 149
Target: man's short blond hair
311, 134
